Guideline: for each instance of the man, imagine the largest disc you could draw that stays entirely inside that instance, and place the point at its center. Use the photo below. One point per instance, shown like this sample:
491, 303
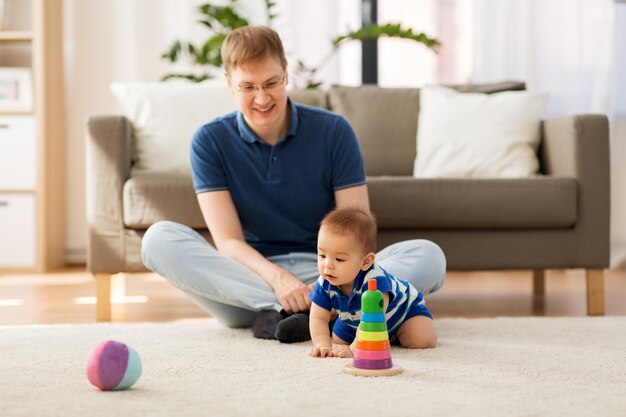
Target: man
265, 176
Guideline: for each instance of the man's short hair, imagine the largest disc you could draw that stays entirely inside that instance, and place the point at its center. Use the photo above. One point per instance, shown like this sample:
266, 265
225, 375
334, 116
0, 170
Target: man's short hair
251, 44
353, 221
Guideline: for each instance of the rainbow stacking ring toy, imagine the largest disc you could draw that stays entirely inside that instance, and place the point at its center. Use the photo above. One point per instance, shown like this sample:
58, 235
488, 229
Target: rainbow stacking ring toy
372, 355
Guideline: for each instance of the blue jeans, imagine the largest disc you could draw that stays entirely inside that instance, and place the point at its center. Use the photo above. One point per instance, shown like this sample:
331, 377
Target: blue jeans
233, 294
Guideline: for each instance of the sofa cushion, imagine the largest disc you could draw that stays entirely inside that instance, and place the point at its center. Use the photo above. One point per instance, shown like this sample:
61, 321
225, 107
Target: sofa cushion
316, 98
165, 117
526, 203
491, 87
385, 121
478, 135
153, 196
398, 202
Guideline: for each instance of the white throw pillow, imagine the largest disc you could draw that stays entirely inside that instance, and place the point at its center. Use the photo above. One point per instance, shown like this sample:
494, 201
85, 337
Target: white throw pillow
478, 135
165, 117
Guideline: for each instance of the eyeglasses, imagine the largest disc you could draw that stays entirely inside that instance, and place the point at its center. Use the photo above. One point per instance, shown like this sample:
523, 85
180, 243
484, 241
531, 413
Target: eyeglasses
268, 87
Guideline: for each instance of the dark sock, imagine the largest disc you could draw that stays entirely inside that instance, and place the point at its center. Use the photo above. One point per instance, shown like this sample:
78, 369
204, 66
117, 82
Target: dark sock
293, 329
265, 323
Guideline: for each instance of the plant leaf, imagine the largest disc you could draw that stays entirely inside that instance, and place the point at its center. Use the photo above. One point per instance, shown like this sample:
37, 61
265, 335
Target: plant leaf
173, 53
190, 77
395, 30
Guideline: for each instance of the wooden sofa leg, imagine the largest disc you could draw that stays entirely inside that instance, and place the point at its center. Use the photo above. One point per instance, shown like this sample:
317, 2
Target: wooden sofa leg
595, 292
103, 297
539, 282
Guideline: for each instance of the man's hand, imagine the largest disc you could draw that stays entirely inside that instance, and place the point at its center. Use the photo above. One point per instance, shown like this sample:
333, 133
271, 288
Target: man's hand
292, 294
341, 351
321, 352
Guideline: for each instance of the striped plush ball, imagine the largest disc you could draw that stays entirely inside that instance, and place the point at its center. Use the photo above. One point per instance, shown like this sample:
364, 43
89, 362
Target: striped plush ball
113, 366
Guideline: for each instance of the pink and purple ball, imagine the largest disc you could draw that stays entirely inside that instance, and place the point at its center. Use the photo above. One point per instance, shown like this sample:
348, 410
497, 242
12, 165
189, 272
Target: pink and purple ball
113, 366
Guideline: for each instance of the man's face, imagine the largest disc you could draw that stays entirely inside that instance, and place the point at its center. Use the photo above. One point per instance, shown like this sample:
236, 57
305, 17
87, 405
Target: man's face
260, 89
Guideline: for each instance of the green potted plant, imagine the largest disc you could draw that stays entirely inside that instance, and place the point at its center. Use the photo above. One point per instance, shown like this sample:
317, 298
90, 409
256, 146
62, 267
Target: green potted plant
221, 20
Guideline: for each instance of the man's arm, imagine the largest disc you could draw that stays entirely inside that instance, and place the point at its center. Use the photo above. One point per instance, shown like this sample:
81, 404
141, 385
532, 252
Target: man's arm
353, 197
221, 217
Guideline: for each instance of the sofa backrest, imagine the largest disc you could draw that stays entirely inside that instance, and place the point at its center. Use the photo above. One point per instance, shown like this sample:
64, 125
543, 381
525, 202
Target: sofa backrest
385, 122
315, 98
384, 119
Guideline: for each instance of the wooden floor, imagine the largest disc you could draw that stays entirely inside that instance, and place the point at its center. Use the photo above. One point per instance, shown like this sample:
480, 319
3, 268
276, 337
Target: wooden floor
68, 297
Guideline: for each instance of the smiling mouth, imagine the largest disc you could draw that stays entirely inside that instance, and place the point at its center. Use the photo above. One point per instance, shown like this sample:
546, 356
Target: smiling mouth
265, 110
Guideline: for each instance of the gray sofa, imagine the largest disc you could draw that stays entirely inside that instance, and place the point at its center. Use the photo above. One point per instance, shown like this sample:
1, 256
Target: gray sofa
559, 219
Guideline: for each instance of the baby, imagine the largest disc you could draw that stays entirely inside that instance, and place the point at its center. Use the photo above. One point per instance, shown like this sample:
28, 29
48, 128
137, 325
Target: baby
346, 261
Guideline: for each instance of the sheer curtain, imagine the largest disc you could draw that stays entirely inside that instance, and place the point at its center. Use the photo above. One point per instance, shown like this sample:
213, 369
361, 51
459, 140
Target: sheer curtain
573, 61
404, 63
307, 29
575, 50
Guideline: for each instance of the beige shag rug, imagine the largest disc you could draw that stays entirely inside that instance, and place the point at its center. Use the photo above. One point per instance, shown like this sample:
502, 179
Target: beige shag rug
482, 367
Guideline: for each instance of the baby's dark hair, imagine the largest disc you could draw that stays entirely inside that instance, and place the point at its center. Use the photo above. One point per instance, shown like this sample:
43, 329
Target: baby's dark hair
353, 221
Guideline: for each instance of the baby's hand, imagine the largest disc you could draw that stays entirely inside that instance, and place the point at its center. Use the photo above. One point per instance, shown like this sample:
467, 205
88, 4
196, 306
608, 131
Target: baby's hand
321, 352
342, 351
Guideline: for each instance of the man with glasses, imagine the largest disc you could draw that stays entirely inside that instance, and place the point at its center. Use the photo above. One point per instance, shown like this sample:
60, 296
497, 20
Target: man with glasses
265, 176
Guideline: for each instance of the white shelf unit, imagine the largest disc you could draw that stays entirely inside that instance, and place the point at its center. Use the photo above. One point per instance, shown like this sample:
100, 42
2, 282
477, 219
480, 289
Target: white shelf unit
32, 142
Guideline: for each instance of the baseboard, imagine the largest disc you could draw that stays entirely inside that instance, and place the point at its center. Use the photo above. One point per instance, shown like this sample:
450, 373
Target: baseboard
618, 255
76, 252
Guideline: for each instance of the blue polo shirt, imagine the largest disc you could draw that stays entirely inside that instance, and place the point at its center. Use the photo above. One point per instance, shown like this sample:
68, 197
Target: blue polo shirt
281, 192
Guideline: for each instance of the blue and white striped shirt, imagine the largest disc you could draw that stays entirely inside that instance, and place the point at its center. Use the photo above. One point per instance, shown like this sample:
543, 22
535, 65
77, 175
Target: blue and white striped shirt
404, 301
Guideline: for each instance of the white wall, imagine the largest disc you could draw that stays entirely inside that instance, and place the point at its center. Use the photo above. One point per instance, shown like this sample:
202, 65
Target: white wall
618, 144
106, 41
618, 190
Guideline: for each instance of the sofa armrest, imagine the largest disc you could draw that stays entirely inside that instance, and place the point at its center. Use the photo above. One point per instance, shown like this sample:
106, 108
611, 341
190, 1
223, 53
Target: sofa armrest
578, 147
108, 162
575, 145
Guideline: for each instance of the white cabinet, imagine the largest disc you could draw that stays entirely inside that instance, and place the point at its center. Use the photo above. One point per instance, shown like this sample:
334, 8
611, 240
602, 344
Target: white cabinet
32, 138
18, 153
18, 185
18, 233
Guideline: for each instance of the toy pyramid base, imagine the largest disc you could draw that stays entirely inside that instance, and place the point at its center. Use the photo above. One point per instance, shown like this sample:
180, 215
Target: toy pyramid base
349, 369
